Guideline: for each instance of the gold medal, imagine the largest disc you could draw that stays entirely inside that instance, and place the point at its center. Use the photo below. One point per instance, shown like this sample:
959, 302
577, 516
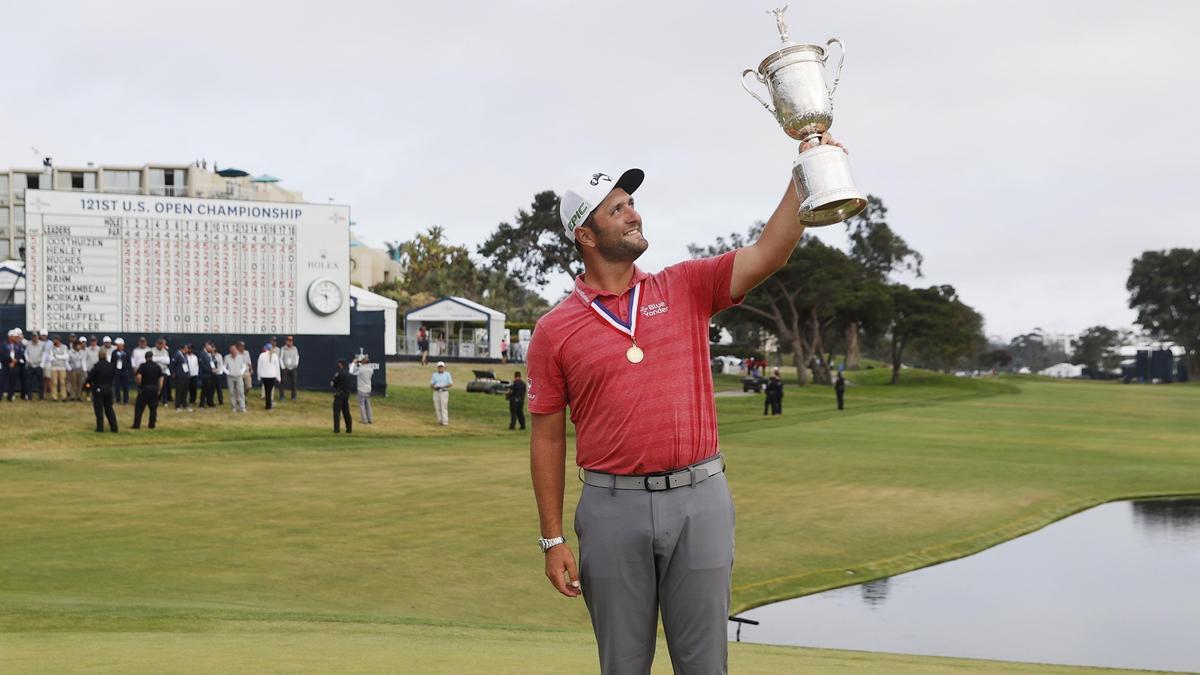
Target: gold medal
635, 354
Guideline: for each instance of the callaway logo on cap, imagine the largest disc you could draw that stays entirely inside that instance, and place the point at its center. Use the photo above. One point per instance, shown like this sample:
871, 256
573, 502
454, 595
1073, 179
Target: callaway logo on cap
578, 202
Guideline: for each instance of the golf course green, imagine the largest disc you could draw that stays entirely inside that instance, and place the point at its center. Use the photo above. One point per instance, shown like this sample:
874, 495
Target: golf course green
265, 543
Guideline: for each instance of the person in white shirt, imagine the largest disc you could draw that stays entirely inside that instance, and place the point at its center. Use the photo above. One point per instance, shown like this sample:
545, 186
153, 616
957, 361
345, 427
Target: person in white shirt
162, 356
138, 356
236, 366
268, 372
289, 366
77, 370
193, 375
363, 369
59, 364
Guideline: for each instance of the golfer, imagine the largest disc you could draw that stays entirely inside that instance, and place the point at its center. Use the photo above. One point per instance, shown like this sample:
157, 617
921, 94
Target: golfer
628, 352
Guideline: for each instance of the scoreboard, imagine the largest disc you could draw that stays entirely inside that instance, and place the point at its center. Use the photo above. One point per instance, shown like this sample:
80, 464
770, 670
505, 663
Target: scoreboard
111, 263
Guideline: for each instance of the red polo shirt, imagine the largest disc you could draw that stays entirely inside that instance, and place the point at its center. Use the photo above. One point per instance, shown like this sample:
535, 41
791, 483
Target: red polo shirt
631, 418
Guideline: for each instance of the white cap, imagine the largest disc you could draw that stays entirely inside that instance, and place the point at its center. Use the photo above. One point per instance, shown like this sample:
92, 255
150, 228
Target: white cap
119, 341
12, 332
106, 339
83, 339
18, 332
43, 333
441, 364
577, 203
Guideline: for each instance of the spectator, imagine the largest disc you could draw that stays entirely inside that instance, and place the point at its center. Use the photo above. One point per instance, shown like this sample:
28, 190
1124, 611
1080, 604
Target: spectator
440, 383
60, 364
139, 354
364, 370
235, 370
150, 379
193, 374
101, 379
773, 400
12, 365
268, 372
423, 344
248, 371
516, 402
289, 367
121, 363
35, 355
77, 370
181, 377
839, 387
207, 366
504, 350
162, 356
219, 375
342, 383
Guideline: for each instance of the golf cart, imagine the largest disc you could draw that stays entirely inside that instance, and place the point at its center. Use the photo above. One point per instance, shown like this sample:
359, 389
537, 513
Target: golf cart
485, 382
754, 384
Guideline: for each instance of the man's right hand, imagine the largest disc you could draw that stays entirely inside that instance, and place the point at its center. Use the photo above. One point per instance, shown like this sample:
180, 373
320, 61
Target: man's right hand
562, 571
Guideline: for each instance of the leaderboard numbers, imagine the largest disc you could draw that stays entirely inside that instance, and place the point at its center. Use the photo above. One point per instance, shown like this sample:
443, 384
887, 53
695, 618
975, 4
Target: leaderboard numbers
135, 274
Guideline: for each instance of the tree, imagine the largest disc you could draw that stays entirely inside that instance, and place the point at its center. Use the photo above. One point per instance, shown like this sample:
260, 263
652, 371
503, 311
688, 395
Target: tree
880, 252
996, 358
1096, 348
1164, 288
435, 268
535, 247
935, 321
802, 302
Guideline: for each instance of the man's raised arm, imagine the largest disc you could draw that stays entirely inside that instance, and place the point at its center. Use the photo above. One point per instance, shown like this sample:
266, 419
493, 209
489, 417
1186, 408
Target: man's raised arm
754, 263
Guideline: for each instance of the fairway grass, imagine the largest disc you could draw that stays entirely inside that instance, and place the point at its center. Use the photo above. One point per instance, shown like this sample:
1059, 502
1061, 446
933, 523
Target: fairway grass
264, 542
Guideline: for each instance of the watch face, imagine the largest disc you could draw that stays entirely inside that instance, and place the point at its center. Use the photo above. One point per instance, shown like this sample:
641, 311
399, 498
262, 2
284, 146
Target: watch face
324, 296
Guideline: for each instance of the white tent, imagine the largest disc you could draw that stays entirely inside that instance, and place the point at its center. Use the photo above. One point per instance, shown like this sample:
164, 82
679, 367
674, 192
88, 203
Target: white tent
366, 301
450, 322
1062, 370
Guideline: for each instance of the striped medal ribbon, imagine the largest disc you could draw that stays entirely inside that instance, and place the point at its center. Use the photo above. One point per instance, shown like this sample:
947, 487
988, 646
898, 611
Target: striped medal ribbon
634, 354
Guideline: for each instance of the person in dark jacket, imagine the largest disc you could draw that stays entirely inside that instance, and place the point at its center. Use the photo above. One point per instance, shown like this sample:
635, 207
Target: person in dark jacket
839, 386
516, 402
121, 361
207, 365
343, 387
181, 376
149, 379
101, 378
773, 400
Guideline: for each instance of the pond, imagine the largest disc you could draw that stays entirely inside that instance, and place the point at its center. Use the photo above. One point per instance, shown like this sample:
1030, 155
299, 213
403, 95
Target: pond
1117, 585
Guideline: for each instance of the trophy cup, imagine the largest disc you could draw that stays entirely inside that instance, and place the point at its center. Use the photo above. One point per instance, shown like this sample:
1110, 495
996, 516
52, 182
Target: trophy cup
803, 105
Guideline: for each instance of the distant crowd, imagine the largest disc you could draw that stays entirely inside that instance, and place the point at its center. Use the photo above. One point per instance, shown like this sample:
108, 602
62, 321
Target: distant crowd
62, 368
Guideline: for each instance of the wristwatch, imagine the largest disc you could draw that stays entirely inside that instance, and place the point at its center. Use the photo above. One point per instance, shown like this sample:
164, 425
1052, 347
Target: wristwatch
550, 543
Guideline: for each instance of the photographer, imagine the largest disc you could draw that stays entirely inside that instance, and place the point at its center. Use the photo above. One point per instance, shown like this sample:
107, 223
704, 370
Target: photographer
364, 370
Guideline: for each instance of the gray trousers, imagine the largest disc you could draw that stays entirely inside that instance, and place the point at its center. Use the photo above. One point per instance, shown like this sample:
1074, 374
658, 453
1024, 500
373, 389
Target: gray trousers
237, 392
644, 552
364, 408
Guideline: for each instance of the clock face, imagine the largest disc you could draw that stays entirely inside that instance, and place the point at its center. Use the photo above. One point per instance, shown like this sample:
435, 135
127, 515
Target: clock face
324, 296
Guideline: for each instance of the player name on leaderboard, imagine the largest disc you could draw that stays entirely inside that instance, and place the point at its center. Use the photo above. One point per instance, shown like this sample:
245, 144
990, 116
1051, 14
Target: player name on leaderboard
144, 272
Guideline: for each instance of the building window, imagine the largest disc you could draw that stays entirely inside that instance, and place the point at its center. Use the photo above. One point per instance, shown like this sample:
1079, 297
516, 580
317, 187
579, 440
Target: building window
4, 221
4, 250
3, 189
168, 182
82, 181
19, 249
18, 213
126, 182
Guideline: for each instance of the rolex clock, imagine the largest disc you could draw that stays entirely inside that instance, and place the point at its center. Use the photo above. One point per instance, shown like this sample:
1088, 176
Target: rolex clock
324, 296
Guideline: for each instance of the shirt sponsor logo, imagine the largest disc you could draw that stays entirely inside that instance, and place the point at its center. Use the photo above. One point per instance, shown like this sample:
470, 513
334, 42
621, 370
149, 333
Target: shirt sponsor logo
655, 309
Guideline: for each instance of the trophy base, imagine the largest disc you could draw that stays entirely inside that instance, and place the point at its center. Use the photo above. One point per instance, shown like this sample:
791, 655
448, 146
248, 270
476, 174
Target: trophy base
825, 186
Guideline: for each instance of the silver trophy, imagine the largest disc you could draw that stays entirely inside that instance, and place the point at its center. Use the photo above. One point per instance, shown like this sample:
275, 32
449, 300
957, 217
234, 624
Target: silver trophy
803, 105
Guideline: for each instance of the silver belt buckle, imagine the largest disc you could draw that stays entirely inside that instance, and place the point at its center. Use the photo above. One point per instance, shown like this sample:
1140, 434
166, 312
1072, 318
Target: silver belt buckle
657, 483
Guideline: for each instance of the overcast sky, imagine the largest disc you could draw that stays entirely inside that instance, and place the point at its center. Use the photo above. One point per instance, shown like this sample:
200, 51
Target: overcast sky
1030, 150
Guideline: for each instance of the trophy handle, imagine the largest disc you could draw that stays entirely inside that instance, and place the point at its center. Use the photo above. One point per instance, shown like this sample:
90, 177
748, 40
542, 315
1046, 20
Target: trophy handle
838, 75
768, 106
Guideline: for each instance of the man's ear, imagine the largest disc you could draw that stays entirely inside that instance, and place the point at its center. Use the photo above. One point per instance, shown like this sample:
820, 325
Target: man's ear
585, 236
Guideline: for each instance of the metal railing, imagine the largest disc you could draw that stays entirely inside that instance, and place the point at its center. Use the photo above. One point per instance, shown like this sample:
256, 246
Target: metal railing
168, 190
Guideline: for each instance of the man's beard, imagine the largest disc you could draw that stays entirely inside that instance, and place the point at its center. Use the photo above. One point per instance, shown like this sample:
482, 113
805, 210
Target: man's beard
620, 249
